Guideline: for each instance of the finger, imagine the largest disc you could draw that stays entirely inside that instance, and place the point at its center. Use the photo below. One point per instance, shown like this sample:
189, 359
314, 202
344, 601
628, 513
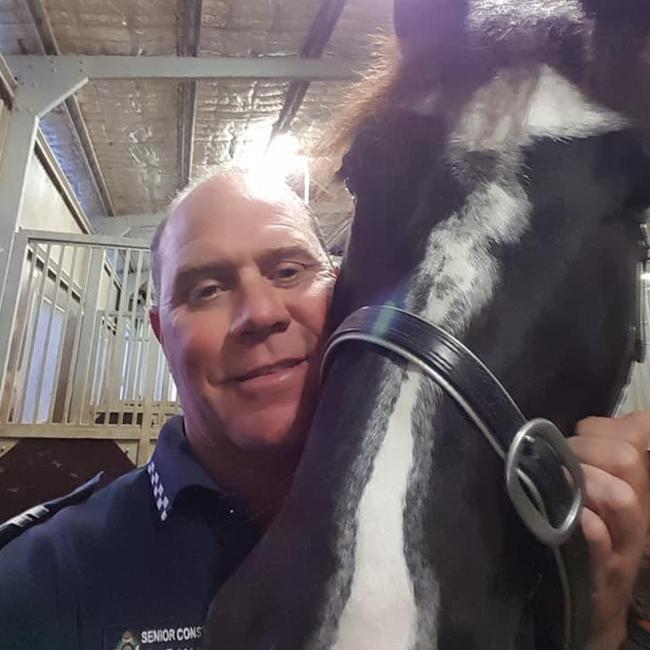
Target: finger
633, 428
617, 504
597, 536
618, 458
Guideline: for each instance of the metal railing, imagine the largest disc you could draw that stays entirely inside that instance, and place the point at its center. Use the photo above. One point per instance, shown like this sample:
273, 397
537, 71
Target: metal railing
78, 357
637, 397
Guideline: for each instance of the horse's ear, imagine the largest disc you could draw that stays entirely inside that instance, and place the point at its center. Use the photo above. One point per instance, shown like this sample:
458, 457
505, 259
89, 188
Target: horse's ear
429, 26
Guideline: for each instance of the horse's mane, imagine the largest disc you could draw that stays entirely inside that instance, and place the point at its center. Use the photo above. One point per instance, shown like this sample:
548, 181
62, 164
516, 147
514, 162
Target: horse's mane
373, 94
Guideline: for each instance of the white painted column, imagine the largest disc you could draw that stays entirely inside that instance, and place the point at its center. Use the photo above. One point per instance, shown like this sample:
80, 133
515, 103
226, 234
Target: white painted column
38, 91
17, 153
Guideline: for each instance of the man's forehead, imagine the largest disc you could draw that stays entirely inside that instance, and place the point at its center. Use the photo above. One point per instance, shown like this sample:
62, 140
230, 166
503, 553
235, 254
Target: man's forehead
238, 194
231, 215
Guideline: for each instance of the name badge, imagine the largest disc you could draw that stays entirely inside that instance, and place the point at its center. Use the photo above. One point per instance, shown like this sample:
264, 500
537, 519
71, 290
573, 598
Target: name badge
167, 636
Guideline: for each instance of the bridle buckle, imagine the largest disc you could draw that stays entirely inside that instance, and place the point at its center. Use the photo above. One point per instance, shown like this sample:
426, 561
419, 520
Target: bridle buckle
529, 504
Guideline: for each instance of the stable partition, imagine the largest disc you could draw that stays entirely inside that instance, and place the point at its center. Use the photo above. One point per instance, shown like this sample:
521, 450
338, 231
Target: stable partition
81, 360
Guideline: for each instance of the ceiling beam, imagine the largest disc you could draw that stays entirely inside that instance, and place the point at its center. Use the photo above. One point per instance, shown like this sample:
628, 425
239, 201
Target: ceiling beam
191, 13
318, 37
29, 68
49, 46
7, 83
54, 171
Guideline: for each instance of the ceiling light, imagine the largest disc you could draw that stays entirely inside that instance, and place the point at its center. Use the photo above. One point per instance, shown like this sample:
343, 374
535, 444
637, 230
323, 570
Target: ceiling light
281, 160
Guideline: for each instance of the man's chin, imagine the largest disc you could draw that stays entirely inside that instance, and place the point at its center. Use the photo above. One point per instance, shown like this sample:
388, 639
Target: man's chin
272, 433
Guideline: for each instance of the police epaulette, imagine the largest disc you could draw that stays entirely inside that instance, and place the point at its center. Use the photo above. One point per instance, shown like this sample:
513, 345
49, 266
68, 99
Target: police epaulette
38, 514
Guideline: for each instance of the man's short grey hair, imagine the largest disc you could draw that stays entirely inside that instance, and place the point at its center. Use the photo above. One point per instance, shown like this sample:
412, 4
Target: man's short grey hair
223, 171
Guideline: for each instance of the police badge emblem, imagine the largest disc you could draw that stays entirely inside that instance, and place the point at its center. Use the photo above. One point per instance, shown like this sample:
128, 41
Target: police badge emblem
128, 642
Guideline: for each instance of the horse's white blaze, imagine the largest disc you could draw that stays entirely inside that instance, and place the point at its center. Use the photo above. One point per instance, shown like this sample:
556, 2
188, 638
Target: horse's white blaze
525, 104
381, 612
502, 118
458, 256
559, 110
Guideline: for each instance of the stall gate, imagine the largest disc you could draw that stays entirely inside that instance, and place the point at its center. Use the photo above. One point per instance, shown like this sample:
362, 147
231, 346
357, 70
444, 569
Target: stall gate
80, 359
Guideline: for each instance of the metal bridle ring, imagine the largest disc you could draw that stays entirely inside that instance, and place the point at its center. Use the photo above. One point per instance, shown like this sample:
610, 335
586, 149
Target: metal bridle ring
533, 514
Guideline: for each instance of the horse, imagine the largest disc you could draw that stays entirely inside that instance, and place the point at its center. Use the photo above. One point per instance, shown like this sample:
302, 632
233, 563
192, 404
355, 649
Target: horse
500, 172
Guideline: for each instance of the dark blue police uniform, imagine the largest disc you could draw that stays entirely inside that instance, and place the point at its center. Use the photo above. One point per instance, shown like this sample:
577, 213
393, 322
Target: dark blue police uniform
132, 568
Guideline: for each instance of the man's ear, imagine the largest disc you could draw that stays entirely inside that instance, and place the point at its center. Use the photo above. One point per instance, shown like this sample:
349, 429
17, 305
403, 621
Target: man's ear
154, 319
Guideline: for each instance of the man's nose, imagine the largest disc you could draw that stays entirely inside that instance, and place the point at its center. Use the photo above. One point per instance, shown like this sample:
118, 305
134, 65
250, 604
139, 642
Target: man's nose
260, 311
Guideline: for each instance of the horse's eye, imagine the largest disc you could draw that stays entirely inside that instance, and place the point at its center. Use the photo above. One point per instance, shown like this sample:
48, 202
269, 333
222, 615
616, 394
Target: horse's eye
349, 184
345, 175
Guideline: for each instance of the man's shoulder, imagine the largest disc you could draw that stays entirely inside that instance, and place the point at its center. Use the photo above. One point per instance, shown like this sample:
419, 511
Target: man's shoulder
43, 571
127, 497
124, 500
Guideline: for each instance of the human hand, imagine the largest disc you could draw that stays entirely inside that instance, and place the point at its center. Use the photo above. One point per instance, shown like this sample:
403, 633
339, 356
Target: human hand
613, 454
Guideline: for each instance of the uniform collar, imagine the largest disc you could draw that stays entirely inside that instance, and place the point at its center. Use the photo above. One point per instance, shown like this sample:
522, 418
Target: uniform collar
174, 467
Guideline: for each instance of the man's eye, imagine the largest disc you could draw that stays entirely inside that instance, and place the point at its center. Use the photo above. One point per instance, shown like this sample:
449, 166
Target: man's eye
288, 272
205, 292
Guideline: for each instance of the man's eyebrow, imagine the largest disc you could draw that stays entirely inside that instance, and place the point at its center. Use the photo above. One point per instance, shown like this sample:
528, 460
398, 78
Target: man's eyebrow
274, 255
190, 273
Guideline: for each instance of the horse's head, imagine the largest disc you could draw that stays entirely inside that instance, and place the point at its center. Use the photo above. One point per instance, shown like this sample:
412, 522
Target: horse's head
496, 195
500, 176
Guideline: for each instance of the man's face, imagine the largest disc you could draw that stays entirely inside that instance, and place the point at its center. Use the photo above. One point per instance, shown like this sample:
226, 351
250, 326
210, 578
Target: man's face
245, 288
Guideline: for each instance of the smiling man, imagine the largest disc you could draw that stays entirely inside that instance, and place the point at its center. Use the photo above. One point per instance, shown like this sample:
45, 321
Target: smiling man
243, 287
243, 298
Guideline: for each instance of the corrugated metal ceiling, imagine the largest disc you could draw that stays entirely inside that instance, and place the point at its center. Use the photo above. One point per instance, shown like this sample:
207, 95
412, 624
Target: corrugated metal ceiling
133, 125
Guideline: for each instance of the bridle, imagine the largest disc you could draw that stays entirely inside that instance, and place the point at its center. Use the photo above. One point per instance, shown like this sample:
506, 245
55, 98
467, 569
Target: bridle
543, 477
480, 395
535, 453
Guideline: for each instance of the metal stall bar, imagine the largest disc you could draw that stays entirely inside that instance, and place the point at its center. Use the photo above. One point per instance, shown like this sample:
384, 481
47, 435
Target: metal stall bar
86, 338
152, 354
132, 387
118, 397
48, 334
139, 359
16, 268
35, 323
104, 341
144, 445
66, 308
67, 404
